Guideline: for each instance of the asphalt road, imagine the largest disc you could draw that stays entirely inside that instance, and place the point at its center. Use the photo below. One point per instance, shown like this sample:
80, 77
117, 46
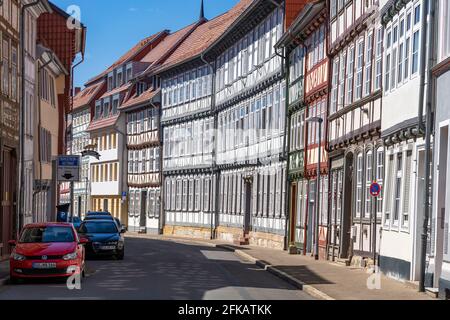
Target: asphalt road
164, 270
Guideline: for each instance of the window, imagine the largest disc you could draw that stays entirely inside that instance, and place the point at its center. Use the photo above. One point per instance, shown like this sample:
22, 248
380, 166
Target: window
380, 180
369, 172
398, 188
359, 70
417, 14
368, 65
444, 49
400, 64
406, 62
359, 182
415, 53
388, 193
379, 53
407, 190
387, 73
334, 85
342, 81
350, 70
393, 68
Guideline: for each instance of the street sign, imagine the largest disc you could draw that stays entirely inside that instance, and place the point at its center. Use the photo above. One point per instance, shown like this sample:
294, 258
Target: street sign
375, 189
69, 168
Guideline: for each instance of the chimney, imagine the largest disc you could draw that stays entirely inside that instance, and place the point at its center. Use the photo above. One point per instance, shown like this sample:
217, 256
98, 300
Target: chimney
77, 91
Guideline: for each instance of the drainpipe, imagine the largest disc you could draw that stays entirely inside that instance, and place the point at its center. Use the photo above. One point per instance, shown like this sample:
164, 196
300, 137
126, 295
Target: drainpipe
21, 171
286, 145
428, 125
39, 189
213, 227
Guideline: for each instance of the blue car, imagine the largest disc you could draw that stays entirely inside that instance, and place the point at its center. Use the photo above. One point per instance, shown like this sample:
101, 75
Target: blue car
76, 222
104, 238
98, 213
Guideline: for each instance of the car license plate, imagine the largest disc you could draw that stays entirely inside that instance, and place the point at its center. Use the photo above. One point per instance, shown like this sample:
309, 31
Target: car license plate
44, 265
107, 247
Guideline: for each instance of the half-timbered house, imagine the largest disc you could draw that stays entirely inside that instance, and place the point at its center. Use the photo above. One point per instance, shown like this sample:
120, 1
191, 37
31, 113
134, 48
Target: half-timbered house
109, 180
9, 120
249, 93
142, 112
304, 43
402, 133
188, 122
83, 109
356, 152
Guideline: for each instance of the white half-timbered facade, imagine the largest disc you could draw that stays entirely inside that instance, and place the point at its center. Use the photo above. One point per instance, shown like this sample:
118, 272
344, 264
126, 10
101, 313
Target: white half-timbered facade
354, 122
403, 207
439, 256
250, 101
142, 116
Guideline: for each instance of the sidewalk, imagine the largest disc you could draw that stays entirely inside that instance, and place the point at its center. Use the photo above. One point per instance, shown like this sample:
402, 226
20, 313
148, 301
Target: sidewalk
321, 279
4, 272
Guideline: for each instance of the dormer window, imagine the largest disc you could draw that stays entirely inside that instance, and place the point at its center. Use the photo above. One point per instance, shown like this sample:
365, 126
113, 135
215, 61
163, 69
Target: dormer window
98, 110
119, 78
141, 88
106, 106
129, 74
110, 81
115, 106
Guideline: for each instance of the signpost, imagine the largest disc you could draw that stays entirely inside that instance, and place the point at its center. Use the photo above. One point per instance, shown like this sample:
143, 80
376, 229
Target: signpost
69, 168
69, 171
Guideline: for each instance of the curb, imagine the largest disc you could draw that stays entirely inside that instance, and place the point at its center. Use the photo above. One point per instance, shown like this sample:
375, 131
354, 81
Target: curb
312, 291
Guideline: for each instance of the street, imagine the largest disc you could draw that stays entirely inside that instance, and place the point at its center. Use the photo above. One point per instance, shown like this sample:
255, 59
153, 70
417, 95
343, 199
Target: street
165, 270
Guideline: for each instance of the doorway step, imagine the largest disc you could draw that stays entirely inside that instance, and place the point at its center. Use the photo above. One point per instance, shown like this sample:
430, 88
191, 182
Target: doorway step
343, 262
243, 240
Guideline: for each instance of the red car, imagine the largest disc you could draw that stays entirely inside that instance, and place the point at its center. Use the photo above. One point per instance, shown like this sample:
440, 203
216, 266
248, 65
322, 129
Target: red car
47, 250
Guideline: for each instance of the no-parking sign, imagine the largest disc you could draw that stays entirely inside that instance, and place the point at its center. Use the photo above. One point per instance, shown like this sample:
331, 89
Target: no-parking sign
375, 189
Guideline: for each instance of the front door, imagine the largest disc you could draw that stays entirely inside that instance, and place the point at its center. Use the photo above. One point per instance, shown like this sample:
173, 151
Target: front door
336, 211
7, 195
143, 214
441, 227
311, 213
248, 199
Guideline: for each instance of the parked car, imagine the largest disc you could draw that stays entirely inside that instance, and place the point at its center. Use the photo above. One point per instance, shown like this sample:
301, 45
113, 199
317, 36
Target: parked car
104, 238
98, 217
76, 222
98, 213
47, 250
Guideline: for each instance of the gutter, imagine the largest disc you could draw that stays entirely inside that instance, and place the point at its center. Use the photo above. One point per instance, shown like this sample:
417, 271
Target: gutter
431, 36
213, 229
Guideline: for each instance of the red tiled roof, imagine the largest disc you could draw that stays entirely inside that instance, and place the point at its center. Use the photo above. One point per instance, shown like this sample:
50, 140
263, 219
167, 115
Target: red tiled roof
120, 89
166, 45
129, 54
85, 97
205, 35
103, 123
136, 100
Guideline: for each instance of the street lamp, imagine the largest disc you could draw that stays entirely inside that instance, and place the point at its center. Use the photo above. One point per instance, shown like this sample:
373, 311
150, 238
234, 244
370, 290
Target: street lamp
319, 121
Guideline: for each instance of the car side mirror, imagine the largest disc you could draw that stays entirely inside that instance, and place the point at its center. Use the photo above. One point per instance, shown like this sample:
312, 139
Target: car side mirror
123, 229
83, 241
12, 243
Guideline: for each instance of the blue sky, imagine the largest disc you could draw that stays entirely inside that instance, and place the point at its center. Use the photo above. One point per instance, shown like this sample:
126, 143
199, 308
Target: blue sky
114, 26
